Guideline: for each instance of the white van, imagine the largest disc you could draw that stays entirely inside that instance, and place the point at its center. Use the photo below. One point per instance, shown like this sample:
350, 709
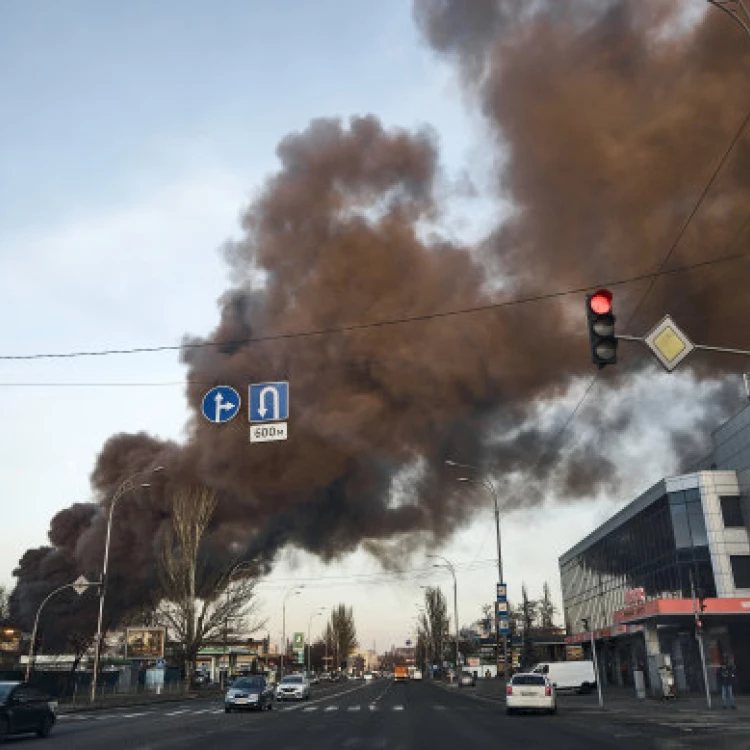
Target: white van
569, 675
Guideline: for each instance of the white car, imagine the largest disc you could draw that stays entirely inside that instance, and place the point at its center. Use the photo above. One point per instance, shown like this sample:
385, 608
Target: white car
294, 686
532, 692
368, 676
417, 674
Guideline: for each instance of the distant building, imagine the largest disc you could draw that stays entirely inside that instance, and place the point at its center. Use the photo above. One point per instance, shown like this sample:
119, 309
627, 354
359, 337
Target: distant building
634, 577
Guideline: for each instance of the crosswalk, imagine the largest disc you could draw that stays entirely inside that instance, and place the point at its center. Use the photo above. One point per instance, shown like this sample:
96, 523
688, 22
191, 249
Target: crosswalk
186, 712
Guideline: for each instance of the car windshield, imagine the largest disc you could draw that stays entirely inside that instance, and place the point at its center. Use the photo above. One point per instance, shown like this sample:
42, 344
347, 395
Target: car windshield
294, 680
5, 688
528, 679
248, 682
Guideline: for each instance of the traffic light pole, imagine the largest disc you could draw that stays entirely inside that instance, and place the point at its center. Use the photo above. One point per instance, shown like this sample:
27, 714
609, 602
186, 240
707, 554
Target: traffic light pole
699, 638
701, 347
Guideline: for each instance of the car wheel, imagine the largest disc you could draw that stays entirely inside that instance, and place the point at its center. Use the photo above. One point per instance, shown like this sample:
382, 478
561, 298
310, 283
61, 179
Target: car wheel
46, 727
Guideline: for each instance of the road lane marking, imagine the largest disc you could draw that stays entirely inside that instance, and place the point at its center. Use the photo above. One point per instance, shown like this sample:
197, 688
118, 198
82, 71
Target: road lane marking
398, 708
133, 716
331, 708
354, 708
177, 713
307, 709
373, 707
439, 708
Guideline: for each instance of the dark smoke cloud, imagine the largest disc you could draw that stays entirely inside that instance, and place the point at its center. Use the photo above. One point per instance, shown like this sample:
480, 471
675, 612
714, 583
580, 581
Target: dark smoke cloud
607, 125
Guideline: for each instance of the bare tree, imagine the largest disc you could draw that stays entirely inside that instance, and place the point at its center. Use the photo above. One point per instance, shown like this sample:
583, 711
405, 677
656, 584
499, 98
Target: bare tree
199, 600
547, 609
434, 622
526, 616
4, 605
343, 633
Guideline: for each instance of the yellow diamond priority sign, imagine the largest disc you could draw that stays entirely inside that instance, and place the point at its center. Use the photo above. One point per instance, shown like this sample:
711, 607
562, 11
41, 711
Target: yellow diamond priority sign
669, 344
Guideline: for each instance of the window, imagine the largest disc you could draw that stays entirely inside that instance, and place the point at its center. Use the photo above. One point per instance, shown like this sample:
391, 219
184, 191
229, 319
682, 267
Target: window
681, 525
740, 570
528, 679
731, 512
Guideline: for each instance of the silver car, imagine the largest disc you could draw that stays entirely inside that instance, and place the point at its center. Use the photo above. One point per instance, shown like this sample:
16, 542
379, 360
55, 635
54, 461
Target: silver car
293, 687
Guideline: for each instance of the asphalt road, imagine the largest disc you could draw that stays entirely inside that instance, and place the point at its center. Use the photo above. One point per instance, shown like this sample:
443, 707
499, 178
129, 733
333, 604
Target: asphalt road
382, 715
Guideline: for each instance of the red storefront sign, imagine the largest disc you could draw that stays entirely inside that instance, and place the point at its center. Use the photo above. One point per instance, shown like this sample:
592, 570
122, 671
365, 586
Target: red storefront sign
634, 597
680, 607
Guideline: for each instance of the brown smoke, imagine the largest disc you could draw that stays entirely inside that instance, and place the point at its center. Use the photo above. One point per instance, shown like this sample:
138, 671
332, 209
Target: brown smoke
607, 127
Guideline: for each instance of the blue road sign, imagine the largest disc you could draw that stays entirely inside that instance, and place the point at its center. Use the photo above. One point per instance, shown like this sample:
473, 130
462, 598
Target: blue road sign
269, 402
161, 663
221, 404
503, 626
502, 592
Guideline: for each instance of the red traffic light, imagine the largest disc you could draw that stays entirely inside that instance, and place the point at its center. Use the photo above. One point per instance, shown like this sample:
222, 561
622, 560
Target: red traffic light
601, 302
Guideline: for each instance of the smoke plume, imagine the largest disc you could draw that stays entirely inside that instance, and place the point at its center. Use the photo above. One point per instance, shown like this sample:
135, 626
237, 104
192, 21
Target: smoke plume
607, 121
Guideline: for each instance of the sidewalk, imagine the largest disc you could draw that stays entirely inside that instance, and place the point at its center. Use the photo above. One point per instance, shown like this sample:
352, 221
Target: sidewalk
689, 709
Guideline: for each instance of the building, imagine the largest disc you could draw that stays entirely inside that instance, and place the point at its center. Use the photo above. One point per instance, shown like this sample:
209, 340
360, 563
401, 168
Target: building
639, 579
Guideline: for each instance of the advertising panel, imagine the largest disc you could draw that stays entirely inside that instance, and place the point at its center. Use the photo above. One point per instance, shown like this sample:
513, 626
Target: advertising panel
145, 643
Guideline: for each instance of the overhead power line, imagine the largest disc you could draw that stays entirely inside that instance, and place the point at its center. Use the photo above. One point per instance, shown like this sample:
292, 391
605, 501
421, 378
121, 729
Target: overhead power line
371, 324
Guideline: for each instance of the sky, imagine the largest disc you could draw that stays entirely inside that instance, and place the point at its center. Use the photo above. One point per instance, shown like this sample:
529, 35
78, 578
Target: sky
133, 136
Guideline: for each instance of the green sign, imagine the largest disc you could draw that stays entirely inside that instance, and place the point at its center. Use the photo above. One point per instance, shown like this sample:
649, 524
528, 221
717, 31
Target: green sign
300, 657
298, 642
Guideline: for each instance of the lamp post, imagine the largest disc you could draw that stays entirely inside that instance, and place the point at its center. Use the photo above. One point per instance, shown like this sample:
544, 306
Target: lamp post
455, 597
294, 591
493, 493
126, 486
309, 644
80, 586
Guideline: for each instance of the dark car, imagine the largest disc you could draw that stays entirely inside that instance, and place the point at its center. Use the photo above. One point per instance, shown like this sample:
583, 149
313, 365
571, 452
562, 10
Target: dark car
23, 710
249, 692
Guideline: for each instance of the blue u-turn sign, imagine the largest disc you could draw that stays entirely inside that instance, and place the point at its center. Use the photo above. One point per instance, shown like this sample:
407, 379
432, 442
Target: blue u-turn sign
221, 404
269, 402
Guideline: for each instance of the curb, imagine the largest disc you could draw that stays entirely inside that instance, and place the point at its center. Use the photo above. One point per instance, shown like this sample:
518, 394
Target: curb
85, 708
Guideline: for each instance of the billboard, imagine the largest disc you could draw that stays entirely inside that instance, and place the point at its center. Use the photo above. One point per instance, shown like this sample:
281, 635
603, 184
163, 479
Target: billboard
145, 643
298, 642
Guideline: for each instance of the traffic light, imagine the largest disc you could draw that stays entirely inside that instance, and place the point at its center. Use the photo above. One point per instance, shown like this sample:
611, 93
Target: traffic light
601, 328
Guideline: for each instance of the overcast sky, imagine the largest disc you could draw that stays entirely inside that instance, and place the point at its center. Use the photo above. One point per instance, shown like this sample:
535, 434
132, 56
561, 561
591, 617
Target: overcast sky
133, 135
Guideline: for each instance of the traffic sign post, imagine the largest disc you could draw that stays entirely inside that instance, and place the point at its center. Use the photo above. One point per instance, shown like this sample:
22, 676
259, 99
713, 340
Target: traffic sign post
221, 404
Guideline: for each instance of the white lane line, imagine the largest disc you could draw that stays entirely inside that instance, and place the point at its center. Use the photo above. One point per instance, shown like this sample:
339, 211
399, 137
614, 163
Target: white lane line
218, 711
373, 707
177, 713
307, 709
331, 708
353, 708
203, 711
133, 716
398, 708
439, 708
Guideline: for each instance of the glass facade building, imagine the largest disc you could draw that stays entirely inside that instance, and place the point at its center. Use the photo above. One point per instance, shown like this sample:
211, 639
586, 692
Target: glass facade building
629, 585
660, 549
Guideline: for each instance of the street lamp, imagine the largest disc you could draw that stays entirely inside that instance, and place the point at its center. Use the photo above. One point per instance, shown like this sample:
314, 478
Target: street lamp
294, 591
493, 493
80, 587
455, 596
126, 486
309, 628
